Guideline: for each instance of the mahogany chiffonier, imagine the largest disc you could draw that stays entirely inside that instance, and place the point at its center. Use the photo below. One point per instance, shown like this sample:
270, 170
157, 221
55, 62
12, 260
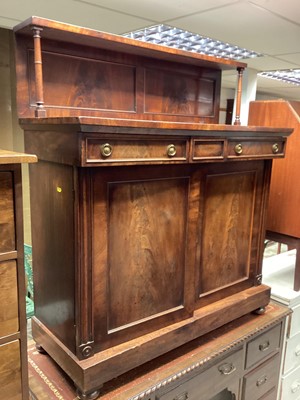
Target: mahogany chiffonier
13, 330
283, 218
148, 215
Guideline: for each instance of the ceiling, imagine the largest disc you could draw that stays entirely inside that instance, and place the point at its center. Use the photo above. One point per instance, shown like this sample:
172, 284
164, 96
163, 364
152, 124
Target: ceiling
271, 27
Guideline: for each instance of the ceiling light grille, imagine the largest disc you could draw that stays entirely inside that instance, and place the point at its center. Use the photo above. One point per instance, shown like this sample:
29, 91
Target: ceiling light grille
177, 38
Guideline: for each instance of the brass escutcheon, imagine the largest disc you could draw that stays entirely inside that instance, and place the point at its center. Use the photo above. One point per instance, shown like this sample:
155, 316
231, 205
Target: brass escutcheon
275, 148
171, 150
106, 150
238, 149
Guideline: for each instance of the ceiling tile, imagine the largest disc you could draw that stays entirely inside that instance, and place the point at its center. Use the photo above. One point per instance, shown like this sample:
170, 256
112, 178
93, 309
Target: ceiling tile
245, 25
159, 10
270, 63
73, 12
288, 9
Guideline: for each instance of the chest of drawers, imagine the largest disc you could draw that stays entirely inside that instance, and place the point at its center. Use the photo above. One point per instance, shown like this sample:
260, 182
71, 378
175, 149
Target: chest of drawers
154, 212
239, 361
13, 331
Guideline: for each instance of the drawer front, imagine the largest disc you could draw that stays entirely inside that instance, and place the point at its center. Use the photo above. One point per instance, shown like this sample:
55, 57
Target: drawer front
211, 381
262, 379
295, 321
292, 354
10, 371
207, 149
7, 219
290, 389
9, 320
247, 148
262, 346
124, 151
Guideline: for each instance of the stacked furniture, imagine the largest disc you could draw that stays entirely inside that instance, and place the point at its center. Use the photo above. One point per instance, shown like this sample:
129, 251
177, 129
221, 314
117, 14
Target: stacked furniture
283, 221
278, 272
13, 328
154, 212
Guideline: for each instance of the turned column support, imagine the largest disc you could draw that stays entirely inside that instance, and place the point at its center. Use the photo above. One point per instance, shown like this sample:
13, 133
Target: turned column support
38, 68
239, 97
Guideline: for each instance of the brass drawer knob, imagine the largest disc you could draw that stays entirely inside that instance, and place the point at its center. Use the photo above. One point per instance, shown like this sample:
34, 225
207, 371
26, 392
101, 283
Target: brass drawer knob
264, 346
262, 381
106, 150
238, 149
275, 148
171, 150
227, 368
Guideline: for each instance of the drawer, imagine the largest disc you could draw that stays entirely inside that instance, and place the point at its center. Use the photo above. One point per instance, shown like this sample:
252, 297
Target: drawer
262, 379
295, 321
9, 320
247, 148
207, 149
292, 353
211, 381
7, 219
290, 385
262, 346
120, 151
10, 370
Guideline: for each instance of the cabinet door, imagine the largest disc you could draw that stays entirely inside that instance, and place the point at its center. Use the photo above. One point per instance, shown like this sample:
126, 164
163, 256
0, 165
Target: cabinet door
140, 230
230, 225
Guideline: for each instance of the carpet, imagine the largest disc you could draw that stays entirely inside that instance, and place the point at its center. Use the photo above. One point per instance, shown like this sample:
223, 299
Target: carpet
46, 380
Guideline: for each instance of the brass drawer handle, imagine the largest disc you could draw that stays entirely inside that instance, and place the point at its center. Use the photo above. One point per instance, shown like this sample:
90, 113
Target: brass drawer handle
106, 150
264, 346
227, 368
275, 148
171, 150
262, 380
238, 149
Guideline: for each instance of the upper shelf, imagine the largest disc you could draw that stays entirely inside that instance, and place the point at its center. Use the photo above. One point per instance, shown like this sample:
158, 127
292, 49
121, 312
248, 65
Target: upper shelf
60, 31
69, 71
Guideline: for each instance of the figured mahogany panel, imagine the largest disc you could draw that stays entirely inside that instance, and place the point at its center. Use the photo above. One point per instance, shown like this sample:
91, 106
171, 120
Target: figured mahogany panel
7, 220
168, 92
81, 83
146, 249
9, 309
227, 220
10, 371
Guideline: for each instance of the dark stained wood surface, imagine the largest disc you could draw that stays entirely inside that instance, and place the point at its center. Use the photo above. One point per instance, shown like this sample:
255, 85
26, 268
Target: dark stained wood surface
126, 269
88, 37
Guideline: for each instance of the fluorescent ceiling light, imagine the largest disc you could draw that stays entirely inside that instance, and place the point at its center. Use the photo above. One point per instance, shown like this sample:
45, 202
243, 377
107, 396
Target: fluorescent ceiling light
285, 75
177, 38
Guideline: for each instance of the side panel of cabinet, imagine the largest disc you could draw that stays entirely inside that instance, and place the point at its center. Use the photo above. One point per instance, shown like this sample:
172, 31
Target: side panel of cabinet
52, 210
139, 250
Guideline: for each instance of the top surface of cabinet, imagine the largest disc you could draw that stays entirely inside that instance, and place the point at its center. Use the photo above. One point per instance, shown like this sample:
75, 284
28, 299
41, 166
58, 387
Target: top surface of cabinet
12, 157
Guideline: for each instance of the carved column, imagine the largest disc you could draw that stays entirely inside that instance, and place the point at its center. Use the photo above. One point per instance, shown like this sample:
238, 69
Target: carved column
38, 67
